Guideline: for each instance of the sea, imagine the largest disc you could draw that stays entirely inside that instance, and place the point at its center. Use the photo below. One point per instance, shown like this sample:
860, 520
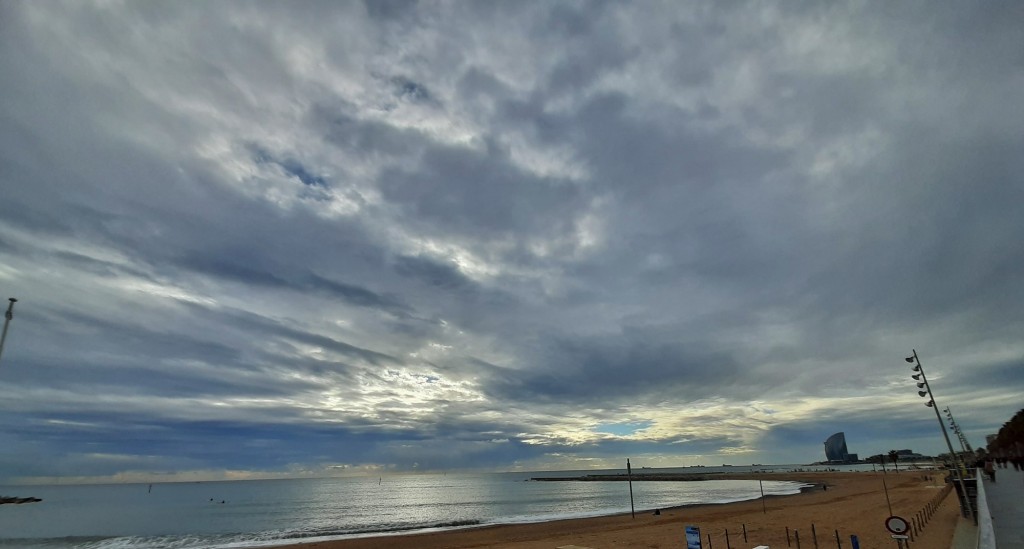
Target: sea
258, 513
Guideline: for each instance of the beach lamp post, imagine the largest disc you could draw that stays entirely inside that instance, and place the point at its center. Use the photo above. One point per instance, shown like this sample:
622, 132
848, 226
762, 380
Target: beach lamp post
956, 429
8, 316
927, 392
963, 448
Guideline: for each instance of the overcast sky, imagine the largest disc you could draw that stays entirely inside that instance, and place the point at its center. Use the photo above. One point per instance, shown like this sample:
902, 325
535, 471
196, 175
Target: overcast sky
306, 238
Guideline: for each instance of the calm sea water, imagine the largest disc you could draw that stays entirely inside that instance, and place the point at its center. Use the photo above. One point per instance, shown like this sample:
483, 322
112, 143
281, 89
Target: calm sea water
273, 512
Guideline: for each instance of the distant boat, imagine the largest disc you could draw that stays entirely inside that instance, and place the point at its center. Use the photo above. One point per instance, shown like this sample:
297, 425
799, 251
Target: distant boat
17, 501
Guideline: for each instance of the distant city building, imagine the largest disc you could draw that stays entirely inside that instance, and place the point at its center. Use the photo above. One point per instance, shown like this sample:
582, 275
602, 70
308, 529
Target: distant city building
910, 455
835, 449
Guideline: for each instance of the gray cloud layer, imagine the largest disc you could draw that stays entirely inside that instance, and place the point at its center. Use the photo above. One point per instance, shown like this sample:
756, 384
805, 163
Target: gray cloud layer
286, 238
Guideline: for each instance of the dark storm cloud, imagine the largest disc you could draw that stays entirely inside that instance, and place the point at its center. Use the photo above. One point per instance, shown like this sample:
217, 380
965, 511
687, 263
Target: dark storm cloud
468, 191
981, 376
390, 9
363, 136
620, 369
866, 434
92, 334
357, 295
98, 267
392, 232
239, 271
268, 327
209, 444
233, 270
432, 273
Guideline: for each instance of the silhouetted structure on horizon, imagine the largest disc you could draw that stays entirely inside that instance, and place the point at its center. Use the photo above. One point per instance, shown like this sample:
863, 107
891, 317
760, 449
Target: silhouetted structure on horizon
835, 449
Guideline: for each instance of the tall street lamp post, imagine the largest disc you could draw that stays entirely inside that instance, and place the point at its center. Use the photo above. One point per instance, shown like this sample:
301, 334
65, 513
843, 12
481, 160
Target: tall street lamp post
960, 434
7, 322
961, 471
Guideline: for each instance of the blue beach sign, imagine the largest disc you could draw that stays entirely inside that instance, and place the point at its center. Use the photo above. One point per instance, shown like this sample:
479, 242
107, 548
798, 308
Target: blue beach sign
692, 537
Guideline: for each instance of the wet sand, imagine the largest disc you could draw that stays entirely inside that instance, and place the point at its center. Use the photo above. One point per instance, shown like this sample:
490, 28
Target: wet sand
847, 503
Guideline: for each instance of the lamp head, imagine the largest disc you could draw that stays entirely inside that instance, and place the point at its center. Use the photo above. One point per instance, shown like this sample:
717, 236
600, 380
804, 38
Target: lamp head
922, 394
910, 359
920, 385
916, 376
917, 368
930, 403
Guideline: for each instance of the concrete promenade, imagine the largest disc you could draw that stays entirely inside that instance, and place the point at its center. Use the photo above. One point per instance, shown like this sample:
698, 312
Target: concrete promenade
1006, 505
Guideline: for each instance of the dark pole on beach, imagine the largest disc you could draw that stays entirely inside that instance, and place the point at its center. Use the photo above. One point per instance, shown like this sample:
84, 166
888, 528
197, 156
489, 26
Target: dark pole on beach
629, 475
7, 321
763, 507
887, 496
961, 469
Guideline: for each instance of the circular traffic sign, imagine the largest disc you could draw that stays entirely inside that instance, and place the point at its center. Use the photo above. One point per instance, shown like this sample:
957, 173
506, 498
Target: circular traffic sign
897, 525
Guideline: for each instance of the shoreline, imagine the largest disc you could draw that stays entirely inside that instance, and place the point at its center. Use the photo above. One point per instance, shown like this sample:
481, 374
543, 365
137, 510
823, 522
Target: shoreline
836, 504
662, 477
473, 524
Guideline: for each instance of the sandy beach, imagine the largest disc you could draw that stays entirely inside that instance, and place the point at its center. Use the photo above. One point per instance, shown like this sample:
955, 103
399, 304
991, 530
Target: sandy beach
847, 503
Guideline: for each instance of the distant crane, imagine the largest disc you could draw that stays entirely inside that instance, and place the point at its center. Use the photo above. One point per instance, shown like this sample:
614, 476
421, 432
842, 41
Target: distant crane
7, 322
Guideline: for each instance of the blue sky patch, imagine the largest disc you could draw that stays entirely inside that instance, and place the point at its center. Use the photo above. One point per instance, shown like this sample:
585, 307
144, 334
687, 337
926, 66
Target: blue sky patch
622, 429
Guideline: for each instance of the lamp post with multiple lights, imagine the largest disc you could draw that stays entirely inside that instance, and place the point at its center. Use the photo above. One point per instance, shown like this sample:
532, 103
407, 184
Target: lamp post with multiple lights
8, 316
960, 434
922, 383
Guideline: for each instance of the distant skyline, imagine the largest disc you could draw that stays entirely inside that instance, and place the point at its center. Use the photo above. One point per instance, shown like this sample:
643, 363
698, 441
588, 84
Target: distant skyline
303, 239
